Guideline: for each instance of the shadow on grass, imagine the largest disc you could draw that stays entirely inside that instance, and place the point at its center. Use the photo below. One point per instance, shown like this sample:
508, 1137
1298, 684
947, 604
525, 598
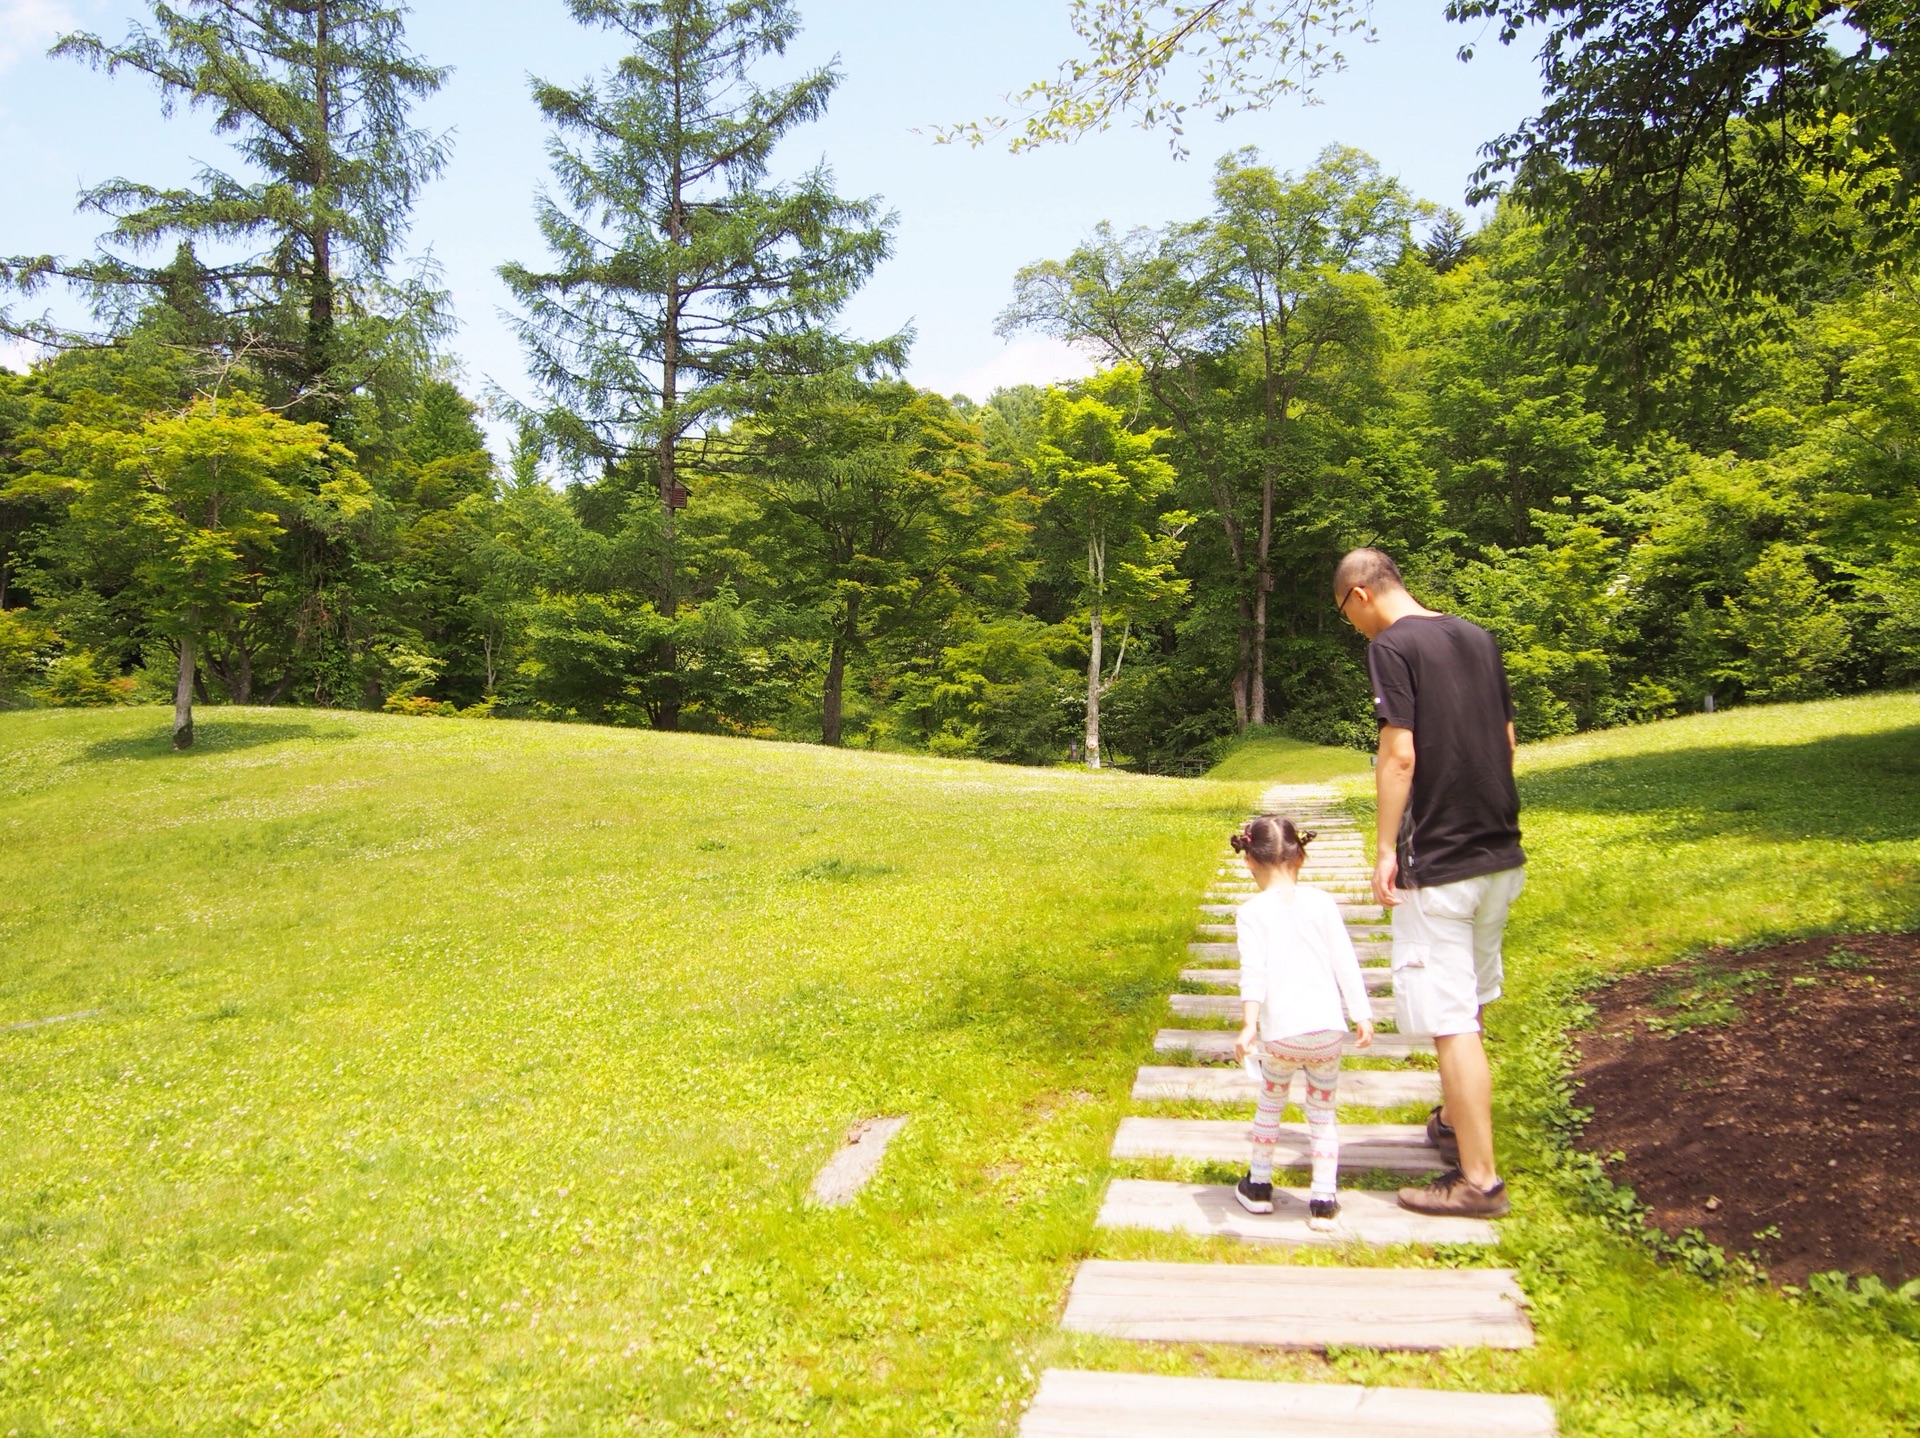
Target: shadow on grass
1864, 787
214, 737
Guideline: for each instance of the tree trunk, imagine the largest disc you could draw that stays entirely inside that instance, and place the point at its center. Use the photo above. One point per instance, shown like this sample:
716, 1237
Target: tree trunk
1263, 585
320, 317
667, 715
1096, 569
830, 707
183, 698
1258, 698
1243, 665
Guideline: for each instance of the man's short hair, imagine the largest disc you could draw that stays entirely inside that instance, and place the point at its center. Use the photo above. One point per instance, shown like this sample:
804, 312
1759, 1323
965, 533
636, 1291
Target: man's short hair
1367, 569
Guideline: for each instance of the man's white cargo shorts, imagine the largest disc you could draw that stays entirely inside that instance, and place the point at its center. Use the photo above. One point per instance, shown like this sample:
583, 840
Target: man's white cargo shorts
1446, 952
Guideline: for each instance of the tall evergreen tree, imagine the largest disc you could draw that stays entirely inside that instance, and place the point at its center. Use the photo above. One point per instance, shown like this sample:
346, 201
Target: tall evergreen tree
280, 259
678, 268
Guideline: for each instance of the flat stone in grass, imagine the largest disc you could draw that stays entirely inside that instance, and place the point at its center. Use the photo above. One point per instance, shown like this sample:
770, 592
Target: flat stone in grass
55, 1019
853, 1167
1210, 1210
1359, 1088
1216, 1045
1397, 1147
1268, 1305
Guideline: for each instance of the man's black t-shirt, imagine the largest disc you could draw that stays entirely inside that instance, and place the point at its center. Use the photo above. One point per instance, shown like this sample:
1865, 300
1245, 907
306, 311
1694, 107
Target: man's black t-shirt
1443, 678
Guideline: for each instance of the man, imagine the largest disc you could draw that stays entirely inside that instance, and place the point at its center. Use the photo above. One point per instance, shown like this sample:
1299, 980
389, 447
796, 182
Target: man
1449, 861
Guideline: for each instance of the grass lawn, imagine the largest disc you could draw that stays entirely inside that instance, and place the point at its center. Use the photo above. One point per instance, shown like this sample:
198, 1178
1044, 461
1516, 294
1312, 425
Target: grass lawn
1272, 758
459, 1077
464, 1077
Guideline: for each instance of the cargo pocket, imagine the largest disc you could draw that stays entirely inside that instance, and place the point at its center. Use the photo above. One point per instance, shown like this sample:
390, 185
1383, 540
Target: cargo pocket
1410, 954
1413, 1008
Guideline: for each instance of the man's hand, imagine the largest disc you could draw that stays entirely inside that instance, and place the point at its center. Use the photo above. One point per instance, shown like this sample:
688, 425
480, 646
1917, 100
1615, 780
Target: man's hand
1392, 785
1386, 869
1249, 1037
1363, 1033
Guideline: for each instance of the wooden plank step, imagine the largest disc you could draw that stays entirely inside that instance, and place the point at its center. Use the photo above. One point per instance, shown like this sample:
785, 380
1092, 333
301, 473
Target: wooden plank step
1359, 1088
1216, 1045
1359, 930
1227, 1006
1357, 915
1398, 1147
1072, 1403
1211, 1210
1280, 1306
1378, 980
1365, 948
1350, 908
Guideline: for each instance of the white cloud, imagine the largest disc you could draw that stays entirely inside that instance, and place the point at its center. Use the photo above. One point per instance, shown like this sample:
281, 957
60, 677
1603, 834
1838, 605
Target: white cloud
28, 27
18, 355
1025, 361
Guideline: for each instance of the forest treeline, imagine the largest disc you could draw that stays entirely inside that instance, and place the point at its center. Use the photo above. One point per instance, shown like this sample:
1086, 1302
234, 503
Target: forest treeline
259, 480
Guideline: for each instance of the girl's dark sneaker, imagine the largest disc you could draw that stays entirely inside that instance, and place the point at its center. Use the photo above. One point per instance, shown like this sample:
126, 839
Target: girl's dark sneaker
1441, 1135
1322, 1214
1254, 1197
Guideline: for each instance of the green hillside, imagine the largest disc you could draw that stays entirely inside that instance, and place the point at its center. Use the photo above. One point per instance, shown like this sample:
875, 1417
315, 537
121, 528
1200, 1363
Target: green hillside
466, 1076
1276, 759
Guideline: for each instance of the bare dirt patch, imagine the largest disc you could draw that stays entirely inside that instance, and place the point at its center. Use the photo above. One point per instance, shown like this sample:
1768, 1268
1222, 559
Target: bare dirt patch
1770, 1099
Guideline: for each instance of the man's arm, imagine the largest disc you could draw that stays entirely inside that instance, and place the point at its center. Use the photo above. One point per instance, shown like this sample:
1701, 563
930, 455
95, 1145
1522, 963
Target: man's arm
1513, 744
1392, 783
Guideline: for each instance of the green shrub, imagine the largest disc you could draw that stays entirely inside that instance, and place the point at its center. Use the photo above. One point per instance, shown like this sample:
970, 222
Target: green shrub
80, 681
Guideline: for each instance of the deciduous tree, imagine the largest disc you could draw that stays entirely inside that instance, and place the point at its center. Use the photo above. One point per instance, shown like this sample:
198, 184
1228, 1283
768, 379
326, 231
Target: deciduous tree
1101, 488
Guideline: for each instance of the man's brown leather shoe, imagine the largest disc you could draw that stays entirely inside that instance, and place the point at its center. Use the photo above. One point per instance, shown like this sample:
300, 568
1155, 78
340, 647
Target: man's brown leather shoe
1451, 1196
1441, 1135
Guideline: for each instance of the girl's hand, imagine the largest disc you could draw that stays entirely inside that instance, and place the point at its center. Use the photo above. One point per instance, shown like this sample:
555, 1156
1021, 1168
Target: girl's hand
1244, 1044
1363, 1035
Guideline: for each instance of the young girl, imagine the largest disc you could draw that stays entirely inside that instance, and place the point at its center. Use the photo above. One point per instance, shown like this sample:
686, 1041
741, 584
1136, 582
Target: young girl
1297, 972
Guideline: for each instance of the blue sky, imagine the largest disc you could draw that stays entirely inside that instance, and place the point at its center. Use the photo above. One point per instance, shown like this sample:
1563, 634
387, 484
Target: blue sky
967, 217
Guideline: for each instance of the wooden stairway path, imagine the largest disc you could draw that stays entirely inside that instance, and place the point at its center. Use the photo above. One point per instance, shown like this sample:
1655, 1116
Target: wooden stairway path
1282, 1306
1227, 1006
1392, 1147
1216, 1045
1359, 1088
1365, 950
1072, 1404
1396, 1147
1211, 1211
1377, 980
1269, 1305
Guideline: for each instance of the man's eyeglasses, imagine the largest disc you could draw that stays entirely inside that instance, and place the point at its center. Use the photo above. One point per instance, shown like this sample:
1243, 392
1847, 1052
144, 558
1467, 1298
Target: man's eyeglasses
1341, 608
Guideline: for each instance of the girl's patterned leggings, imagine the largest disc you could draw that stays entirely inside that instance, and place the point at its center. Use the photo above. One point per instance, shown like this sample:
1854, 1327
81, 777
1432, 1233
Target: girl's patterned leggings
1319, 1054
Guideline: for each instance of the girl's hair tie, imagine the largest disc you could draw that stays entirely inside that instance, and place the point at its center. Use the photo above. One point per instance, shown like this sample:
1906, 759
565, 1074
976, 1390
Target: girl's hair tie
1273, 842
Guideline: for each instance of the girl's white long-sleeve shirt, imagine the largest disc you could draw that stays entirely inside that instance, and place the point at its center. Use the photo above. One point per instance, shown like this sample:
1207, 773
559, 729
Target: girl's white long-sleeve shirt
1297, 962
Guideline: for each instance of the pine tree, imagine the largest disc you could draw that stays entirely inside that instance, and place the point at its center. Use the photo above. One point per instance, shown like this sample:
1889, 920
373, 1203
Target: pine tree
315, 94
678, 270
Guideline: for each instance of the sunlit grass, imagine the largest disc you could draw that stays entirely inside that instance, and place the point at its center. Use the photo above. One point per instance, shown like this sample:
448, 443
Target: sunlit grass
1272, 758
458, 1076
462, 1076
